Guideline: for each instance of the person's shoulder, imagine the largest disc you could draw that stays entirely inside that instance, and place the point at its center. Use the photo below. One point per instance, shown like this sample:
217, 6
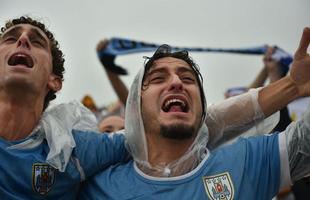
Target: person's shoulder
262, 139
94, 133
86, 136
120, 169
243, 143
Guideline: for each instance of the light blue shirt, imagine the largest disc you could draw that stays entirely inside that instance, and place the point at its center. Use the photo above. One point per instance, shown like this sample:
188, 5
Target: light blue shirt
248, 169
25, 174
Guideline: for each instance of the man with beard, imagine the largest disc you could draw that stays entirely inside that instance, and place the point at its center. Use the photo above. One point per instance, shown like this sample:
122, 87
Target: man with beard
167, 136
44, 153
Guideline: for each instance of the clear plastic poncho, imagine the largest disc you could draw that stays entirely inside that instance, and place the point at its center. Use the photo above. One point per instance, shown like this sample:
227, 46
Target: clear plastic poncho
55, 126
224, 126
238, 116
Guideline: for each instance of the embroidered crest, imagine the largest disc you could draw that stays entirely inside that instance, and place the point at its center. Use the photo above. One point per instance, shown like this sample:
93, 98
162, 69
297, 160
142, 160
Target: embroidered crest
219, 187
43, 177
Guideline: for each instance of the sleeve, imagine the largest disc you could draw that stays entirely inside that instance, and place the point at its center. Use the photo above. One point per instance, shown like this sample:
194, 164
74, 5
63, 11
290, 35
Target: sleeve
238, 115
297, 138
96, 151
263, 164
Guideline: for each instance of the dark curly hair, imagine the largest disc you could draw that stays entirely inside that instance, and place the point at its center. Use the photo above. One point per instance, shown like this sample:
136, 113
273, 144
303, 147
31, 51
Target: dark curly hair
57, 55
166, 51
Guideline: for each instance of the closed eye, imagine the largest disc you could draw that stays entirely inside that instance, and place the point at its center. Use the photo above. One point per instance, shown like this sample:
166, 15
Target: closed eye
37, 39
189, 79
10, 39
187, 75
157, 79
37, 43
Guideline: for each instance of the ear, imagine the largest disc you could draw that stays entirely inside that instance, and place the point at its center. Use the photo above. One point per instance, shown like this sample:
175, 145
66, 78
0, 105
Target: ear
54, 83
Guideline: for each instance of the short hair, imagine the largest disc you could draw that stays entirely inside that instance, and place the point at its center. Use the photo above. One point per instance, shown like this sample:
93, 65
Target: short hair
166, 51
57, 55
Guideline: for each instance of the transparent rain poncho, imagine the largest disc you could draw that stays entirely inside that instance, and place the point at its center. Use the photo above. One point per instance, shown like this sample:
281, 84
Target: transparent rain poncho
297, 142
225, 121
238, 115
56, 125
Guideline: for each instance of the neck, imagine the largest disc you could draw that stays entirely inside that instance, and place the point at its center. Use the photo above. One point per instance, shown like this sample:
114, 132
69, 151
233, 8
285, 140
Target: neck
162, 151
163, 154
18, 116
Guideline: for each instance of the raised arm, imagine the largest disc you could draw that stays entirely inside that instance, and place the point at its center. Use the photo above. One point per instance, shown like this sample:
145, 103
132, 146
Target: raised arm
272, 97
113, 71
234, 116
295, 140
297, 84
260, 79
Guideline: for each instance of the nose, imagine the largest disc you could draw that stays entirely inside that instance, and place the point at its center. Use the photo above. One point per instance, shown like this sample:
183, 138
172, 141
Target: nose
176, 83
23, 41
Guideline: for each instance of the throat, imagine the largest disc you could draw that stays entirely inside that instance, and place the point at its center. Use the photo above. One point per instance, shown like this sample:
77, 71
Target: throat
163, 151
164, 164
17, 123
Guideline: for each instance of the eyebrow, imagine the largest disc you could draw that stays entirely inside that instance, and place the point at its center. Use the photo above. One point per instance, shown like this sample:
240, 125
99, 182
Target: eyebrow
35, 31
180, 69
156, 71
39, 34
186, 69
14, 30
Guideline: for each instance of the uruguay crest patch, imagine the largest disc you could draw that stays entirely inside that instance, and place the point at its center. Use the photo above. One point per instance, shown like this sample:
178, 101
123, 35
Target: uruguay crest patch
43, 177
219, 187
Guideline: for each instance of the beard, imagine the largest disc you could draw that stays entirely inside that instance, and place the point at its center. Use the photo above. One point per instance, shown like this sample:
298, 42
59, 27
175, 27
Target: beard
177, 131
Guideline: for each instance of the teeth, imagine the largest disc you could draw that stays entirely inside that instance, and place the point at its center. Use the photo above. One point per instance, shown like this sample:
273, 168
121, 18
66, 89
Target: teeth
175, 101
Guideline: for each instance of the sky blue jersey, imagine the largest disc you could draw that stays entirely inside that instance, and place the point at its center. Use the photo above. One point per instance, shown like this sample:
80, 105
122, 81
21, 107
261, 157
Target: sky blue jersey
247, 169
25, 174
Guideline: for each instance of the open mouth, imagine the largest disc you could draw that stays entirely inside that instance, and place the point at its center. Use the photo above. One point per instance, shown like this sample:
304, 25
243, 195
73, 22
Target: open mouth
175, 105
21, 59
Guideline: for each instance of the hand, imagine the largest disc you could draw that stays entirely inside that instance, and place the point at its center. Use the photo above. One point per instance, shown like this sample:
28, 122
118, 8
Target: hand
269, 62
107, 60
300, 70
102, 45
272, 66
